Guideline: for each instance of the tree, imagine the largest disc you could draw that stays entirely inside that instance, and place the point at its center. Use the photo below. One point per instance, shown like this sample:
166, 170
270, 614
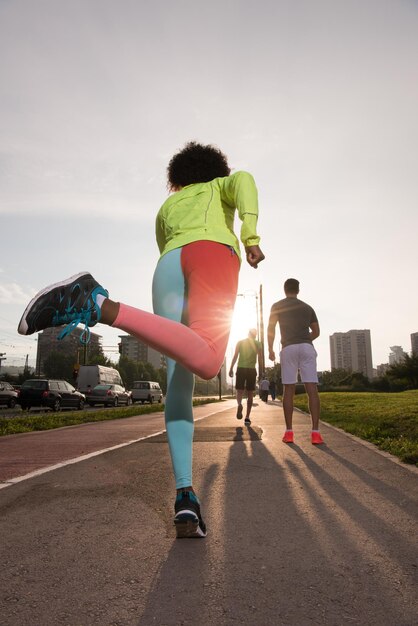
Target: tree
58, 365
27, 373
128, 370
95, 355
406, 370
357, 381
334, 378
99, 359
138, 370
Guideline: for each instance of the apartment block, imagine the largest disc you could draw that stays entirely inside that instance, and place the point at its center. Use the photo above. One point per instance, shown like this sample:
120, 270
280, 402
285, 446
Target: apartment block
352, 351
137, 350
396, 355
414, 344
48, 343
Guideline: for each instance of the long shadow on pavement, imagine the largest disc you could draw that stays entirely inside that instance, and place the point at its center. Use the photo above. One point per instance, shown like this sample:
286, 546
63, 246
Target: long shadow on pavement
288, 544
370, 512
398, 496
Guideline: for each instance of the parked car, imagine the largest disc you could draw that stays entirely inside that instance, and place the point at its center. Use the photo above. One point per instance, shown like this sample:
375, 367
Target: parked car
146, 391
109, 395
8, 395
52, 394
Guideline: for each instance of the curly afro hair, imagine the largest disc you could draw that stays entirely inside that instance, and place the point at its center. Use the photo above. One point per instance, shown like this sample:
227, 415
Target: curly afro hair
196, 163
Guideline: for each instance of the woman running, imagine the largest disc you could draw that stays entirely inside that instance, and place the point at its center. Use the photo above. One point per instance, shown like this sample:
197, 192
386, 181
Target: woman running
194, 291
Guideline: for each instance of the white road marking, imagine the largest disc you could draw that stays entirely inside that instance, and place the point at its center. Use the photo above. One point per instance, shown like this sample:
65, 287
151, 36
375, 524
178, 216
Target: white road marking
84, 457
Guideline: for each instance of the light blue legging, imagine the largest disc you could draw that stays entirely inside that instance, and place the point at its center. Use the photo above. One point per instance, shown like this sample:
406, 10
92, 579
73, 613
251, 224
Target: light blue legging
168, 293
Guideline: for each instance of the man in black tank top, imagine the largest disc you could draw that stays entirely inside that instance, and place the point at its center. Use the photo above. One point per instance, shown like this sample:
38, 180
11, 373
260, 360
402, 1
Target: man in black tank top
298, 328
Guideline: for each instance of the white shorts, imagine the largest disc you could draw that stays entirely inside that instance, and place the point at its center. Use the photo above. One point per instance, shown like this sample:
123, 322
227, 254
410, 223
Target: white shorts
302, 357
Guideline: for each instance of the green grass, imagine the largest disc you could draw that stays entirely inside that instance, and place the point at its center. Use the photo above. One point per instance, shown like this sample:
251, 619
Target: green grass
30, 422
389, 420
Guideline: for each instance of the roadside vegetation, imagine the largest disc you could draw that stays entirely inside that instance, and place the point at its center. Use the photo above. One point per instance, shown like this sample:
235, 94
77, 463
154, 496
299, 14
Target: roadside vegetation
389, 420
47, 420
401, 376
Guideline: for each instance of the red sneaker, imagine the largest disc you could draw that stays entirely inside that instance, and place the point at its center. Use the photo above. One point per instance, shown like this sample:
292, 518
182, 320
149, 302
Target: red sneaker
316, 438
288, 436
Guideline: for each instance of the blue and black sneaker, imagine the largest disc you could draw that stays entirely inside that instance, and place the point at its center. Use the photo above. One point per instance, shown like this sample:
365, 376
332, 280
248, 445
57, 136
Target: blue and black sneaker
188, 520
69, 302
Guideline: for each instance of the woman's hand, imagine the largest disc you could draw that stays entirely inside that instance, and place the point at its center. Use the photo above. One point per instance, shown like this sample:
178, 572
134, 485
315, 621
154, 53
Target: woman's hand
254, 255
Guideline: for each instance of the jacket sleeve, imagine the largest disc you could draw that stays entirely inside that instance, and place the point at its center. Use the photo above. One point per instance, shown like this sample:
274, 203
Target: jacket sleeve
239, 190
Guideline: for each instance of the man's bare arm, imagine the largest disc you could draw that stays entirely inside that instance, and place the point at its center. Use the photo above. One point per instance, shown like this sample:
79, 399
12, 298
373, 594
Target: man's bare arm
234, 360
314, 326
271, 334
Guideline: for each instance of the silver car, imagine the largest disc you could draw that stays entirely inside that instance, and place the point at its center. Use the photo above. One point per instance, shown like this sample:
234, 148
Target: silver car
109, 395
8, 395
146, 391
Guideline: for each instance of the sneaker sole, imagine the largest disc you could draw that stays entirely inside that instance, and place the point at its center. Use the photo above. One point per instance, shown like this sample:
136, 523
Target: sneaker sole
187, 527
22, 329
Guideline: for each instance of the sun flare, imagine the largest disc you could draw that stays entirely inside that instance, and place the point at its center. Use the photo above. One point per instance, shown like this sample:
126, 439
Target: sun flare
245, 317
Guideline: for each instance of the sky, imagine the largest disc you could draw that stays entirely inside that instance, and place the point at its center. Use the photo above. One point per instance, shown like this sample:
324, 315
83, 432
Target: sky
317, 100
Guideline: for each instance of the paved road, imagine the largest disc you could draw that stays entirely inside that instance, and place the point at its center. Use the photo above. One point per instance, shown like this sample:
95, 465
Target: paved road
298, 535
32, 452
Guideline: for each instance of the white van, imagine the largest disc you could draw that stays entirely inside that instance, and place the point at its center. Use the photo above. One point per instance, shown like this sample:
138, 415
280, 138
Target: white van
91, 375
146, 391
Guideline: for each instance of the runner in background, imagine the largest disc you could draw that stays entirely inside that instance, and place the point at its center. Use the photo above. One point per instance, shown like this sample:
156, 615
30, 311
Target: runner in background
247, 351
298, 329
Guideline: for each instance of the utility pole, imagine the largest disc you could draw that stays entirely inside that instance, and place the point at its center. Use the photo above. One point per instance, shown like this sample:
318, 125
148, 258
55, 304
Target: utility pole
261, 338
258, 315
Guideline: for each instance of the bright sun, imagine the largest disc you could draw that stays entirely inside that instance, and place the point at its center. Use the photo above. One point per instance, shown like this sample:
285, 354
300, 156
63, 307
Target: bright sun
245, 317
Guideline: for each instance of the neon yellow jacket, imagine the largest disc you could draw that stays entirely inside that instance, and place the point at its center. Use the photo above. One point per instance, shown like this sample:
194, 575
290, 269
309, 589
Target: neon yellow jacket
206, 211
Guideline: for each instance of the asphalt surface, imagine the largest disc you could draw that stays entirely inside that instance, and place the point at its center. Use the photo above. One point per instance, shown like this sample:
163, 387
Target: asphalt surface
297, 534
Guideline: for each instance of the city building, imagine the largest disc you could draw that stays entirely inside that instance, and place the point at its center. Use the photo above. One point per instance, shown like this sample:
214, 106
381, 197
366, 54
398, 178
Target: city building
48, 343
414, 344
397, 355
382, 369
136, 350
352, 351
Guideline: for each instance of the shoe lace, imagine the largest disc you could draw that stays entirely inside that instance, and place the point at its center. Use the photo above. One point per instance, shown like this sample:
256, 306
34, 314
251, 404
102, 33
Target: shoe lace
73, 319
85, 335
